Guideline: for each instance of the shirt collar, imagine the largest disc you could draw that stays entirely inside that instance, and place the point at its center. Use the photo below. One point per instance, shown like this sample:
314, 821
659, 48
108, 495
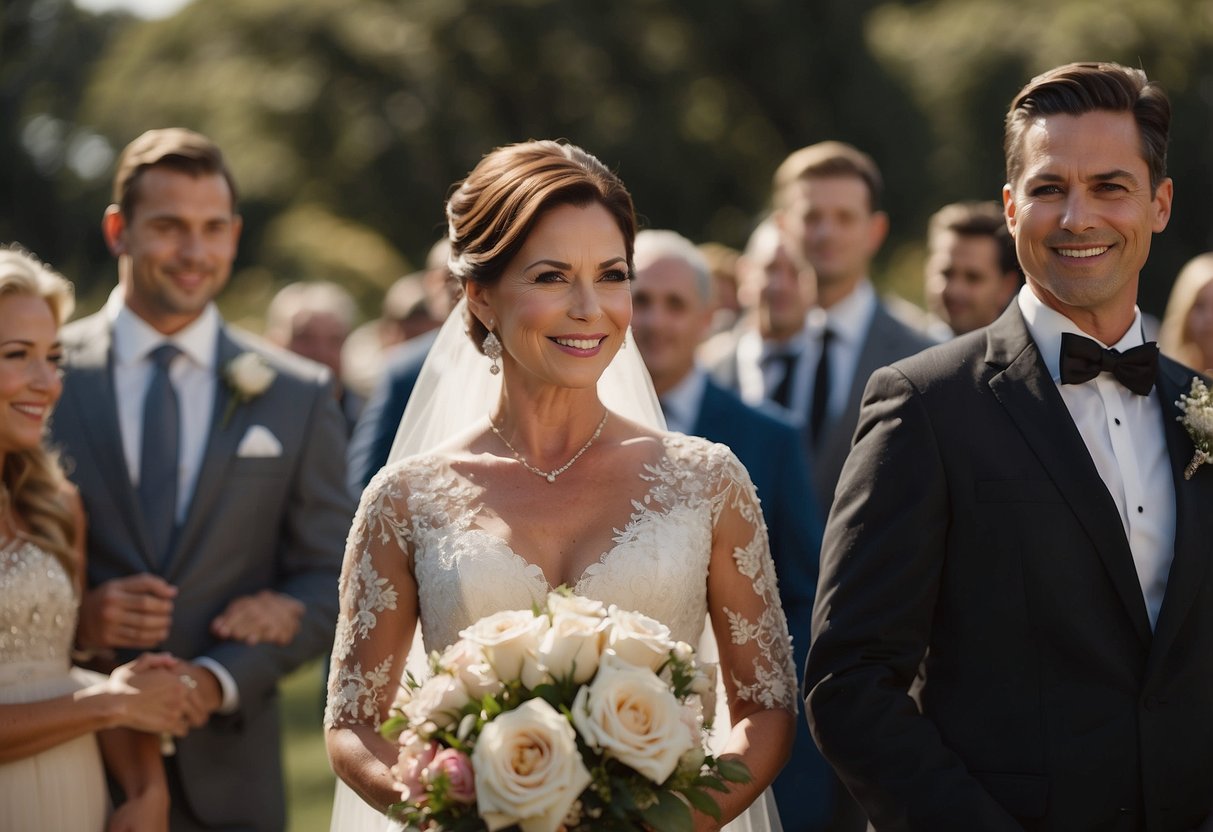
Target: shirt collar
848, 319
683, 399
134, 338
1046, 327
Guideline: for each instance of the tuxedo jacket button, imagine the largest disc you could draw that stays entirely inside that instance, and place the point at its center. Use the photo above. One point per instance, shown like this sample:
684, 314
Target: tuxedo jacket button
1153, 703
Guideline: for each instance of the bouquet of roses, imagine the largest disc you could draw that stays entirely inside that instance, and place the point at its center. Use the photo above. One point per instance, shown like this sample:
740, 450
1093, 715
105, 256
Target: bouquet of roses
571, 717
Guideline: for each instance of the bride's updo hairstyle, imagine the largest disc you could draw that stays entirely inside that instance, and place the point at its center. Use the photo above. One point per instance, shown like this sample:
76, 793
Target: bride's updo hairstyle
491, 213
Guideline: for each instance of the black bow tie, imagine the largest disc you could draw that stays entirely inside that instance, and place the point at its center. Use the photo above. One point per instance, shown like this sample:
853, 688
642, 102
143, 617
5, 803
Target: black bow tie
1083, 359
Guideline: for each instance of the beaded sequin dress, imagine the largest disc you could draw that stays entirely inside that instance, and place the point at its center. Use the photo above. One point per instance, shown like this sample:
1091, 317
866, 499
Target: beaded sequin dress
61, 788
424, 514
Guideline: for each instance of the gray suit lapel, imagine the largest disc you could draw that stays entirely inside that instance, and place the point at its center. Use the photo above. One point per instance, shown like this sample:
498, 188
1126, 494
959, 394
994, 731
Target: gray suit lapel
1193, 518
95, 405
221, 444
1031, 399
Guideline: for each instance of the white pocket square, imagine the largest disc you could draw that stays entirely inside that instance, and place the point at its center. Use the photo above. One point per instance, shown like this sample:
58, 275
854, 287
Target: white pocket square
259, 441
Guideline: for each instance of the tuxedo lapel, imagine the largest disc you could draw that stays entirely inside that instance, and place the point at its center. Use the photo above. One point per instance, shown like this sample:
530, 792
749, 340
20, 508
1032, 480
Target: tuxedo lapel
221, 444
1030, 397
96, 408
1193, 515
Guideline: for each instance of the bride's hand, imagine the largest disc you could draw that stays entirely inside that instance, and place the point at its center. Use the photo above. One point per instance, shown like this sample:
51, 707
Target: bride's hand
152, 694
147, 812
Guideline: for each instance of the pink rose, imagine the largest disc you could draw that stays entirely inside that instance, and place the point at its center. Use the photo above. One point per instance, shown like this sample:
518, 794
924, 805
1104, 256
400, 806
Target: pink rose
409, 770
458, 770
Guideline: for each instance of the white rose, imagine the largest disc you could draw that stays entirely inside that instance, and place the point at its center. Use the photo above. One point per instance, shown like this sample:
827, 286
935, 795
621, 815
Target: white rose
561, 604
631, 715
510, 640
437, 703
572, 646
528, 769
250, 374
465, 661
638, 639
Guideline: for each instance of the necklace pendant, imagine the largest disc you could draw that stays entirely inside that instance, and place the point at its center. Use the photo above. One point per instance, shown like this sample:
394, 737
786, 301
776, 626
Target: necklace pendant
551, 478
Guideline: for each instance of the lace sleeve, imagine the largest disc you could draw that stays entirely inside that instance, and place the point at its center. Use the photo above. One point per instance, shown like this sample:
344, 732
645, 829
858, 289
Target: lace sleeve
743, 595
378, 607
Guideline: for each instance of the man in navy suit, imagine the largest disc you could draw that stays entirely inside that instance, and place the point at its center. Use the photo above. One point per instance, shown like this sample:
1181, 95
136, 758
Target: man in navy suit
1015, 622
671, 315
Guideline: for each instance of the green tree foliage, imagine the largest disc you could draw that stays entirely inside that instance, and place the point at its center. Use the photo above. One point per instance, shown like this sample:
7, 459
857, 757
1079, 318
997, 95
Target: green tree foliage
347, 122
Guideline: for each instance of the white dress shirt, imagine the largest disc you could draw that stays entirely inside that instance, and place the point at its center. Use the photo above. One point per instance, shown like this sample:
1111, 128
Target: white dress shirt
1123, 433
193, 375
681, 403
849, 320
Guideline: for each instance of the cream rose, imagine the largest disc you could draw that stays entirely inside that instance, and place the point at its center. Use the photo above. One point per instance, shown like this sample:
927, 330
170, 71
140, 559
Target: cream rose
465, 661
628, 713
528, 769
572, 646
510, 641
561, 604
250, 375
436, 704
638, 639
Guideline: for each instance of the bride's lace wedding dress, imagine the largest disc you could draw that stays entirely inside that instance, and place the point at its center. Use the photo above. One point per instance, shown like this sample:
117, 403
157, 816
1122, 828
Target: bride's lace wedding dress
425, 515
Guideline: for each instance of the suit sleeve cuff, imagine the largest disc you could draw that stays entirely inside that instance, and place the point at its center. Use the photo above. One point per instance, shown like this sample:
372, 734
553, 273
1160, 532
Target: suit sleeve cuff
231, 694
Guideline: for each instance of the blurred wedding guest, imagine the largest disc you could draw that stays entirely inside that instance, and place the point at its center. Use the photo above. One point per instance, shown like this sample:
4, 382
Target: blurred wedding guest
971, 272
671, 311
413, 306
1187, 325
827, 201
61, 727
376, 428
313, 320
210, 464
722, 262
757, 359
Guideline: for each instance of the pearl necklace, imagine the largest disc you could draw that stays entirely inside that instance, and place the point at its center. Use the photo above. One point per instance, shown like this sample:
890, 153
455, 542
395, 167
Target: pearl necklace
551, 476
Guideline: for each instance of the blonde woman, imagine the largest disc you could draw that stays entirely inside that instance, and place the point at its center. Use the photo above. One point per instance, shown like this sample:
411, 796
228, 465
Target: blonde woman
58, 723
1187, 327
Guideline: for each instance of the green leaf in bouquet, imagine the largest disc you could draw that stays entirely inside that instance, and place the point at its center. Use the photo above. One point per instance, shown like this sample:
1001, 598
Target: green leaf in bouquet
393, 726
702, 801
710, 781
734, 771
669, 814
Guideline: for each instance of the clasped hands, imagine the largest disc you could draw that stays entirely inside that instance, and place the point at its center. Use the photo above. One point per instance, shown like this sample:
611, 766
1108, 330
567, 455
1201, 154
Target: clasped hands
136, 613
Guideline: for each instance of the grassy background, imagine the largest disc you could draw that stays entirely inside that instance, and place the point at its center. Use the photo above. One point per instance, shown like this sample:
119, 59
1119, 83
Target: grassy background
309, 780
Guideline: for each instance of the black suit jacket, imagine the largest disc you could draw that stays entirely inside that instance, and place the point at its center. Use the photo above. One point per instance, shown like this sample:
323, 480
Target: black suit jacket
982, 656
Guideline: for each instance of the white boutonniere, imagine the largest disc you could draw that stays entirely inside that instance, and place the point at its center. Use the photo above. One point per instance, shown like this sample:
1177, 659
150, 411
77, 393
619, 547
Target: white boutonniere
1197, 419
247, 376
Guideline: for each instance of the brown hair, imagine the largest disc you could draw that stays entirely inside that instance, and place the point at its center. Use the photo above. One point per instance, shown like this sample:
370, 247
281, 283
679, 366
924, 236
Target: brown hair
977, 219
171, 147
34, 481
492, 211
828, 159
1075, 89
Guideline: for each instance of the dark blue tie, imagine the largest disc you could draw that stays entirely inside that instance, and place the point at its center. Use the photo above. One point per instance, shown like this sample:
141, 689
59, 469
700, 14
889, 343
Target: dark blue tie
160, 457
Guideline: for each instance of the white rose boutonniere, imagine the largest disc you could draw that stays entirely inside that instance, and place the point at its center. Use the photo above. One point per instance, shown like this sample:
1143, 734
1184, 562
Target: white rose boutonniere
1197, 419
247, 376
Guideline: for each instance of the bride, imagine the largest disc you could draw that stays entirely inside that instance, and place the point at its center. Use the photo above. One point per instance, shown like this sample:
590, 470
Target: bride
534, 457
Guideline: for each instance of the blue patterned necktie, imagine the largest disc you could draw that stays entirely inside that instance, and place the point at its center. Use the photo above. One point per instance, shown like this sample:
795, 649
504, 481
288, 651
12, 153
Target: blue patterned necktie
160, 457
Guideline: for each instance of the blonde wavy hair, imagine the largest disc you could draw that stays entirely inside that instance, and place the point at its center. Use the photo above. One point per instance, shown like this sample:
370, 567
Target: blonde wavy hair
34, 480
1174, 336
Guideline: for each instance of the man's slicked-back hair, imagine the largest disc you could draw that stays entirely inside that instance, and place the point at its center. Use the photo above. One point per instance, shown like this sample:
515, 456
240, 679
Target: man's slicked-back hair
1078, 88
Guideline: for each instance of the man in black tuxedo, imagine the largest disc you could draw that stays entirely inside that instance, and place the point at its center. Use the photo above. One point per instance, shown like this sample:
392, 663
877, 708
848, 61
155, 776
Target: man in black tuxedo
1014, 625
671, 301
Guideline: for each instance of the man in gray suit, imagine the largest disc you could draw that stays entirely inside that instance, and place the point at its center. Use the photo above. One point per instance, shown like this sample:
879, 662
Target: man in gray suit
827, 204
211, 469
